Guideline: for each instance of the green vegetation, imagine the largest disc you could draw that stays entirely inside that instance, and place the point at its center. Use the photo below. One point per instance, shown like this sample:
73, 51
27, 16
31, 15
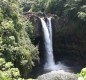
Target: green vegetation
17, 53
8, 72
82, 74
15, 30
69, 8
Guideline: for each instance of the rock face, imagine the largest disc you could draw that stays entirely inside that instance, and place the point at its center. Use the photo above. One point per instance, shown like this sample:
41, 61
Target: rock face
35, 19
58, 75
69, 42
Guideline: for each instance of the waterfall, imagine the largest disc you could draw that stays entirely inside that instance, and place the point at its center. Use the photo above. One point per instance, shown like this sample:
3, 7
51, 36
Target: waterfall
47, 33
47, 36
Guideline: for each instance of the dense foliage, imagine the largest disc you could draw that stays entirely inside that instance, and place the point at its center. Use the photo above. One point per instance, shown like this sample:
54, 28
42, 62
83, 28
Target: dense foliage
82, 74
15, 44
7, 71
69, 8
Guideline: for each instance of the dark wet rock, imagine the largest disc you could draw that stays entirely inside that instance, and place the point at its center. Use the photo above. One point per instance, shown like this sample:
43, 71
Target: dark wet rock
35, 19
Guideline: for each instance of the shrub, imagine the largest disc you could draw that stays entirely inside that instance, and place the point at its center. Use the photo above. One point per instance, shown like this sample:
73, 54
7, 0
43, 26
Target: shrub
7, 71
82, 74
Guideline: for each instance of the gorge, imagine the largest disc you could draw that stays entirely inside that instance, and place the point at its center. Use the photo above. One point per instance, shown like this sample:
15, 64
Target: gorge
65, 41
68, 47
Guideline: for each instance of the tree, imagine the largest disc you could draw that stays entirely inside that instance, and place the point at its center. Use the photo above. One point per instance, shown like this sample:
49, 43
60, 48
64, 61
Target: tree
15, 43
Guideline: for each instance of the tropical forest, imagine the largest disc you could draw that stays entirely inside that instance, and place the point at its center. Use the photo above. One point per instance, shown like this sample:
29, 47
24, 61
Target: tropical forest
42, 39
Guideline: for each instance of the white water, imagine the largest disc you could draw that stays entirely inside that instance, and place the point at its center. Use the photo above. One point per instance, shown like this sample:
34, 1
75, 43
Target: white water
47, 33
48, 43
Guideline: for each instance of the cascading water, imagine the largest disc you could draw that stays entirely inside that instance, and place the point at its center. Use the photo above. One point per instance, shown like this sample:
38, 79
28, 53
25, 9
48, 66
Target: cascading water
47, 34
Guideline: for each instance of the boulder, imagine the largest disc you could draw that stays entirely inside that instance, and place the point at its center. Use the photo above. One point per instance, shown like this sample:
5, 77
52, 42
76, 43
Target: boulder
58, 75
